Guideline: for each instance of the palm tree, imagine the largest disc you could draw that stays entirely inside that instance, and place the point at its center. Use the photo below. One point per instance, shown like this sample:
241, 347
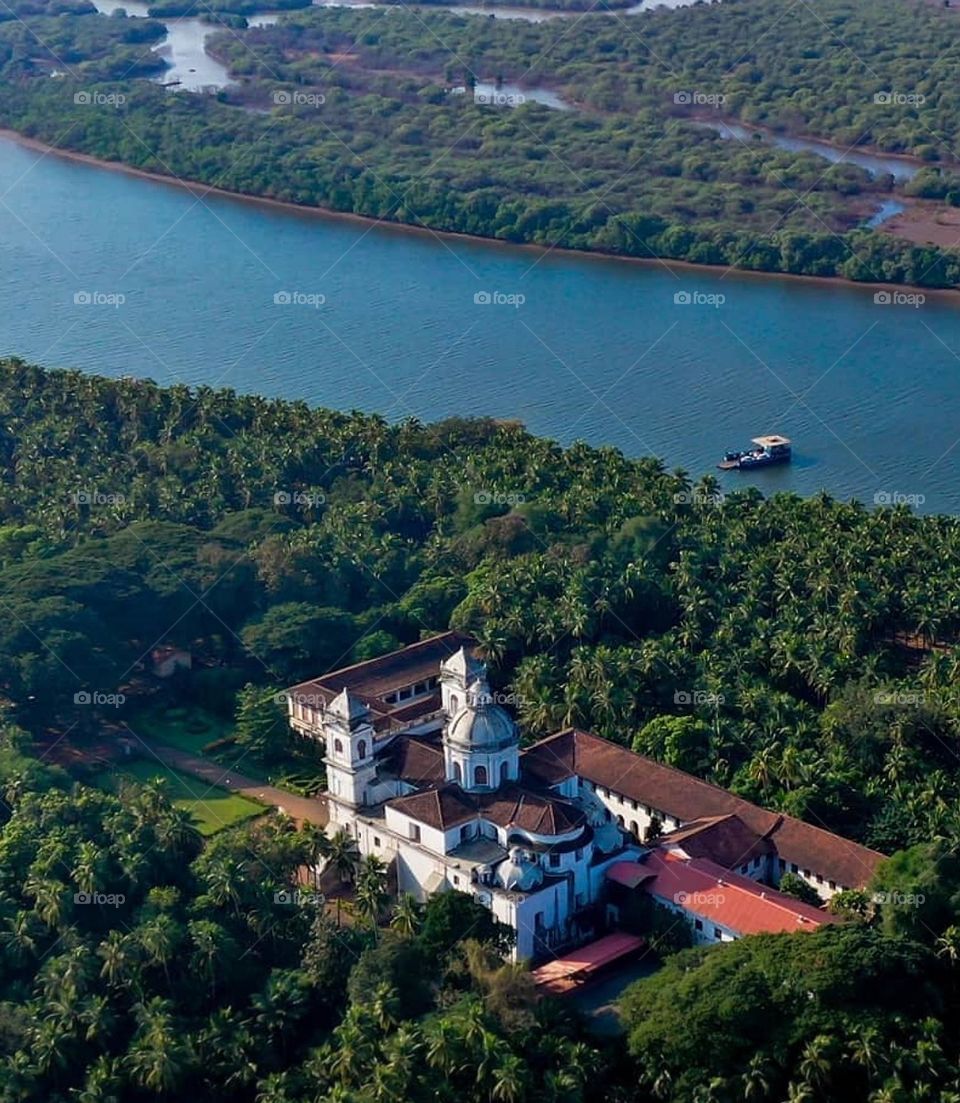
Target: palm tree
317, 848
371, 894
509, 1080
157, 1057
406, 915
344, 856
756, 1080
948, 944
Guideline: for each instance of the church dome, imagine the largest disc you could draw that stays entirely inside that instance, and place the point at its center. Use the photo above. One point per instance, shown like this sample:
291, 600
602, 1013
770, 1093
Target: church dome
518, 873
481, 723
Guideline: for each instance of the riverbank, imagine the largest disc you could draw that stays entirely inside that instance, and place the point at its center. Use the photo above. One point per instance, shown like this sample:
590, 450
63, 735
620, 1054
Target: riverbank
713, 121
202, 191
926, 223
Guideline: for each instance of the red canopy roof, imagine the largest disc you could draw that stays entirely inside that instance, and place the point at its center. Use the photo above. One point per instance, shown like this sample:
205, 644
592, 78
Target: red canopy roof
564, 972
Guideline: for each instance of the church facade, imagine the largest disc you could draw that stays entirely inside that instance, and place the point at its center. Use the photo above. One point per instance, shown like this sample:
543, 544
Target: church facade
424, 769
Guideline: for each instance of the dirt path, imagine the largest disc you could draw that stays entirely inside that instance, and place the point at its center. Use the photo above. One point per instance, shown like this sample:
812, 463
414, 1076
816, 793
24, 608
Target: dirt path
310, 809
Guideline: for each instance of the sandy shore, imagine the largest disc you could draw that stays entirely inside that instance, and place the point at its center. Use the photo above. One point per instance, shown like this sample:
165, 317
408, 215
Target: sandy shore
202, 191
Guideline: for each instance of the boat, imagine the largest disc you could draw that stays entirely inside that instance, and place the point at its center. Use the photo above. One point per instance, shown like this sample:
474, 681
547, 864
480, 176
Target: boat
766, 452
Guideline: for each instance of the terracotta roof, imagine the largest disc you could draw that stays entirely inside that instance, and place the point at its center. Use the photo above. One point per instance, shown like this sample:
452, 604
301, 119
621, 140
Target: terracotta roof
726, 840
687, 798
712, 893
443, 807
417, 761
511, 806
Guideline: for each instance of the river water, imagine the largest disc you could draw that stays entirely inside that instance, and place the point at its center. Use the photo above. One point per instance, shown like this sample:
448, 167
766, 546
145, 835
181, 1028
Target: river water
191, 69
682, 364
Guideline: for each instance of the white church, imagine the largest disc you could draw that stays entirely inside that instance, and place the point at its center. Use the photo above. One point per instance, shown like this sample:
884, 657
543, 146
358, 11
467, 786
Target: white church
424, 769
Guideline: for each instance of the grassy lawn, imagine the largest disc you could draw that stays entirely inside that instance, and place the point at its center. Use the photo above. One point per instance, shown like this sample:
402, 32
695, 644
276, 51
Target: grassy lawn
212, 809
192, 730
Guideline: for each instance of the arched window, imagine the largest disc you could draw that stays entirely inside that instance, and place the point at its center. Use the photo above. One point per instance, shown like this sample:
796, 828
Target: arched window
362, 749
634, 830
620, 820
504, 772
337, 747
454, 702
457, 773
480, 775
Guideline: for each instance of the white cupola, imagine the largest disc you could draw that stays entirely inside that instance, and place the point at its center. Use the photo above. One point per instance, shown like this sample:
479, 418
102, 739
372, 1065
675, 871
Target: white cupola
481, 747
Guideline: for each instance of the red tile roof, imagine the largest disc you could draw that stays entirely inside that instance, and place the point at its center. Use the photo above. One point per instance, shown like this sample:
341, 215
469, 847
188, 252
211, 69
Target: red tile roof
687, 798
712, 893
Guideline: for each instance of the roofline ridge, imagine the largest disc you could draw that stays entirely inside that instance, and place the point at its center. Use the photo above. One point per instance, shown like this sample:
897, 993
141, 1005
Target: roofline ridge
387, 654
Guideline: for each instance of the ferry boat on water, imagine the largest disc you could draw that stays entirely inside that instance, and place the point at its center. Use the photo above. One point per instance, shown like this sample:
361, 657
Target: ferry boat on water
766, 451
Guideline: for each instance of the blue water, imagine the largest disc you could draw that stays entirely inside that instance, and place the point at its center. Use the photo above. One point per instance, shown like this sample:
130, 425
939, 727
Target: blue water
599, 349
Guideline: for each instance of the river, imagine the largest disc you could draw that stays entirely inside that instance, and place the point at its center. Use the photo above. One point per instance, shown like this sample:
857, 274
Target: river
228, 293
191, 69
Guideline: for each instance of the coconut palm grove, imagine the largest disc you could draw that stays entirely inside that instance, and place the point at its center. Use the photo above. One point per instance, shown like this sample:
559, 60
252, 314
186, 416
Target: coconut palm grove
178, 921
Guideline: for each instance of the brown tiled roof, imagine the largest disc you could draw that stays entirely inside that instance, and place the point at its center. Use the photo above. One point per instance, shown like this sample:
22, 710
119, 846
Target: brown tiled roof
514, 806
510, 806
413, 663
726, 840
686, 798
372, 680
832, 856
417, 761
441, 808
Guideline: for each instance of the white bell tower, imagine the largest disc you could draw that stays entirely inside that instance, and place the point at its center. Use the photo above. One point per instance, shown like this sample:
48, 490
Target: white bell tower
348, 735
456, 675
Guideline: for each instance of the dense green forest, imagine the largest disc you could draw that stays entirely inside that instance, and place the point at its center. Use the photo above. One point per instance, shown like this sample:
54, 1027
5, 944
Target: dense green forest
356, 111
806, 649
801, 651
